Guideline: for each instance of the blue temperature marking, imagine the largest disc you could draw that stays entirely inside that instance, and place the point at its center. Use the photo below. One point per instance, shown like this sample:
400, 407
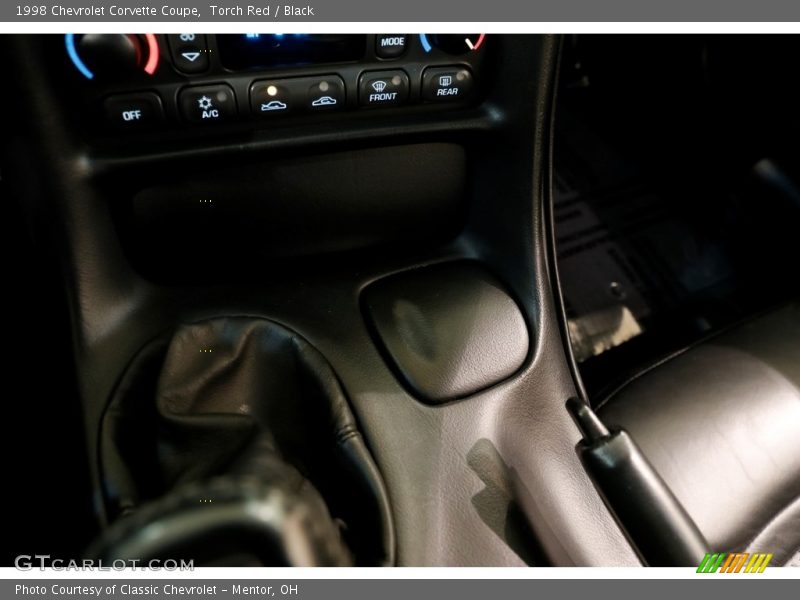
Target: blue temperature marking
69, 40
423, 38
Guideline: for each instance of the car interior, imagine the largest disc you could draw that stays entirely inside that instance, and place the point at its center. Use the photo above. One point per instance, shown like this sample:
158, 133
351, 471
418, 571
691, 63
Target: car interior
401, 299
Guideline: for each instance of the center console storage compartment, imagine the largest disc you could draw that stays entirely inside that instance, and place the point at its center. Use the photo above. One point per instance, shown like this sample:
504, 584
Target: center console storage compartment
449, 331
214, 217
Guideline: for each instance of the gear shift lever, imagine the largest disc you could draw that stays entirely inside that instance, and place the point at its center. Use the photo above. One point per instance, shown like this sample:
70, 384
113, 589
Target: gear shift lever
235, 435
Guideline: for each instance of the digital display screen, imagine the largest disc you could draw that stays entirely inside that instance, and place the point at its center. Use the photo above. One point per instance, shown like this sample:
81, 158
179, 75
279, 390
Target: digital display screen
259, 50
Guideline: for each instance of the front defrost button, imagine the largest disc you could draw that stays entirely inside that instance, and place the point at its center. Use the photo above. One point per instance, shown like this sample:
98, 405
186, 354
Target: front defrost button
383, 88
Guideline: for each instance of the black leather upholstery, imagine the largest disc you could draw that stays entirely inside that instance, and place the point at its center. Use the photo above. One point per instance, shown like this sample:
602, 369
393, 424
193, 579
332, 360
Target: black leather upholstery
721, 424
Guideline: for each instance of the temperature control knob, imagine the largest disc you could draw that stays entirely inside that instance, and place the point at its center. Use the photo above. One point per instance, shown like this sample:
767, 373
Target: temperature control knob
452, 43
113, 56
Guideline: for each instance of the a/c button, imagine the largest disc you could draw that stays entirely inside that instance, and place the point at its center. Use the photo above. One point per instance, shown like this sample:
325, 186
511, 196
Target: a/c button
134, 111
207, 104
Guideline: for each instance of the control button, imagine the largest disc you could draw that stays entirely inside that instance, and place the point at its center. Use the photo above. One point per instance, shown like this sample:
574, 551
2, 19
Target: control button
134, 111
383, 88
208, 104
271, 98
446, 84
189, 52
390, 45
325, 93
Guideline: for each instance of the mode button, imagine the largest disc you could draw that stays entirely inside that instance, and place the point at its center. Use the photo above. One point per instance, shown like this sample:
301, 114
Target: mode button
390, 45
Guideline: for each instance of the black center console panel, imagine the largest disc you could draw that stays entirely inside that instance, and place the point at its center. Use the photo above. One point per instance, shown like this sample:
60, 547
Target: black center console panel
221, 223
296, 220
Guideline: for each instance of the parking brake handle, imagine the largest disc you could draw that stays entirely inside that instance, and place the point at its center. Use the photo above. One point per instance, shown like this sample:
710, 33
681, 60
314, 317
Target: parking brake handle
655, 522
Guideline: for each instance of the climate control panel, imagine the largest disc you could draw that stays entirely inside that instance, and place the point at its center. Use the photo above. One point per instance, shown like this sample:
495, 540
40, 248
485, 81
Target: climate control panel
145, 82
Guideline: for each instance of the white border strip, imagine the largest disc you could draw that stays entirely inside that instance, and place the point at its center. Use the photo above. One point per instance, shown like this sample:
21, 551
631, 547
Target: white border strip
413, 27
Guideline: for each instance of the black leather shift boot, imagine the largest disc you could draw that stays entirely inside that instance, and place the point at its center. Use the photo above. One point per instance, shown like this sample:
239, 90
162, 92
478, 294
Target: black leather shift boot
249, 400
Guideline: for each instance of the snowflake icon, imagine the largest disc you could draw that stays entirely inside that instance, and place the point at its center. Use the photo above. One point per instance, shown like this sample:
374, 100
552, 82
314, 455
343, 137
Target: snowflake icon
204, 103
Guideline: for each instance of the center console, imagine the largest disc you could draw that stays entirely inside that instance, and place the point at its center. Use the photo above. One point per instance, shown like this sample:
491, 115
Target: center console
374, 205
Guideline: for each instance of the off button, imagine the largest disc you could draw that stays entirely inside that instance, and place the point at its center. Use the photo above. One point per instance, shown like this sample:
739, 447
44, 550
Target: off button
446, 84
134, 111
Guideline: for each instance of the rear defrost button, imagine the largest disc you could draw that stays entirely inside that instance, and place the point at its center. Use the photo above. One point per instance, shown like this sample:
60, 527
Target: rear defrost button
446, 84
